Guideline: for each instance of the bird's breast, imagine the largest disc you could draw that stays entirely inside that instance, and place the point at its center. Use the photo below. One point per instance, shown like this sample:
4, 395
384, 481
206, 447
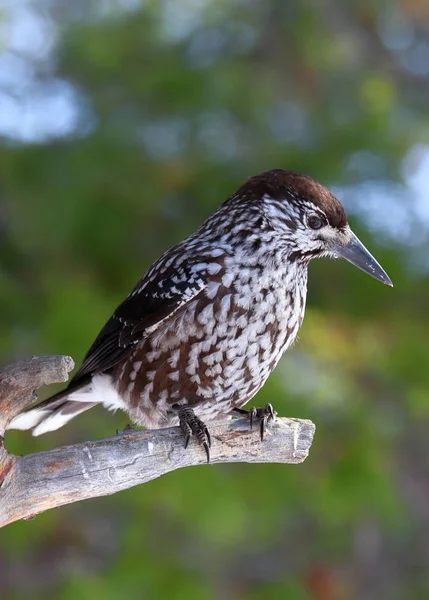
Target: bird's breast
220, 347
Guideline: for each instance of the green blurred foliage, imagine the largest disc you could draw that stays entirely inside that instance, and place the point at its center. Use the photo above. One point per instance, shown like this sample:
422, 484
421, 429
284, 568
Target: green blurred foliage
178, 102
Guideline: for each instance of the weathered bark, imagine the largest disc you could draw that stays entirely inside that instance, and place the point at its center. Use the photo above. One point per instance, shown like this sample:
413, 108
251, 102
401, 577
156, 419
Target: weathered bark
37, 482
19, 381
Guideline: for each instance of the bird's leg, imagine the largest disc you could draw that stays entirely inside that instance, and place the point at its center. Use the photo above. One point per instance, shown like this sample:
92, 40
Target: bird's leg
263, 415
190, 424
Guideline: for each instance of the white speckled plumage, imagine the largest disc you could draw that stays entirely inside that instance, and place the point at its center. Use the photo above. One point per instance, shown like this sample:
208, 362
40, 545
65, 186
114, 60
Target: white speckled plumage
210, 319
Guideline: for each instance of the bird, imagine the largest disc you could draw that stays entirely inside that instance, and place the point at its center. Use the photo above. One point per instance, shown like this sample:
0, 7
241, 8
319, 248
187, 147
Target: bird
204, 327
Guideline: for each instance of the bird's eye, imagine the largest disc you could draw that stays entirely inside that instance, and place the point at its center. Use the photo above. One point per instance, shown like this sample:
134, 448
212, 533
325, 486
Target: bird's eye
314, 222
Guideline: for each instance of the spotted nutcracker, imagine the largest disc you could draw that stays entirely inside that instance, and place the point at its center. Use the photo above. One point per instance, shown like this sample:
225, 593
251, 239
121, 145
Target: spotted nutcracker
205, 326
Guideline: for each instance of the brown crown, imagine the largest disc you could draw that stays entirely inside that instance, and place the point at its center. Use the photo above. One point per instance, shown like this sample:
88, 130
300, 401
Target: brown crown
291, 186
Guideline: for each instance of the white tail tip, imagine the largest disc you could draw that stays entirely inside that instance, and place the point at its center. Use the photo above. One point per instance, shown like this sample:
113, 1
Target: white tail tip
27, 420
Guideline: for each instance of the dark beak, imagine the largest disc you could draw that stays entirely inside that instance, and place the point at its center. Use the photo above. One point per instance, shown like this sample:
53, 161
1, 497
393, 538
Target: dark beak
356, 253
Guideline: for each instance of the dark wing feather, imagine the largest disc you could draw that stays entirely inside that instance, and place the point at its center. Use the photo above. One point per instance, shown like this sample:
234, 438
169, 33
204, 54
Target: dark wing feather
159, 294
104, 352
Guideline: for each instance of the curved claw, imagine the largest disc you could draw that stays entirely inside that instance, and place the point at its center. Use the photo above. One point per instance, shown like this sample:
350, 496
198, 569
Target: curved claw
268, 415
203, 436
190, 424
206, 447
208, 437
253, 415
264, 415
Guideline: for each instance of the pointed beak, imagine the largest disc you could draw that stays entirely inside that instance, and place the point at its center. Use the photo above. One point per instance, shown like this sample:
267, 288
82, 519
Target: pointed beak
356, 253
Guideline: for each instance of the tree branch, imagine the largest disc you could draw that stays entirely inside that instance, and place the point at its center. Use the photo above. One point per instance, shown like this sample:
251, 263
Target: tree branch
37, 482
19, 381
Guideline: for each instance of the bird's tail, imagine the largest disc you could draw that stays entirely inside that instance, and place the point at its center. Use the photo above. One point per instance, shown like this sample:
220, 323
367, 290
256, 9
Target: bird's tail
81, 395
54, 412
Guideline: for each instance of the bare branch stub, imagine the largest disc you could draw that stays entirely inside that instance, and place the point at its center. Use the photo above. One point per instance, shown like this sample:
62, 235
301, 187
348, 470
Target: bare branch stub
19, 381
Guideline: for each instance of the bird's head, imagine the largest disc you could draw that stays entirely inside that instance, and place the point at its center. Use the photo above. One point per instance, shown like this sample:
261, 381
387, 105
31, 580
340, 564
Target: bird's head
309, 219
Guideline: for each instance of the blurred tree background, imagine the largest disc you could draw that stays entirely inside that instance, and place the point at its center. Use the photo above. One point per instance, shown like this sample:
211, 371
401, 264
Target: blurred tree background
123, 124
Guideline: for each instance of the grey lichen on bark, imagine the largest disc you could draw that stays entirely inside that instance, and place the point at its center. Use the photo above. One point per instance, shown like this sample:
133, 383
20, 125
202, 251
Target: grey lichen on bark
36, 482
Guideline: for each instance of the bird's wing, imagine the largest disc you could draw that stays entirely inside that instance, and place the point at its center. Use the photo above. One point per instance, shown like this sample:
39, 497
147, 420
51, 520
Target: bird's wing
158, 295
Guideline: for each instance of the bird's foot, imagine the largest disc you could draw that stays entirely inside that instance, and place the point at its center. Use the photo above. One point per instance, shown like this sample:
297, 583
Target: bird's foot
190, 424
127, 427
263, 415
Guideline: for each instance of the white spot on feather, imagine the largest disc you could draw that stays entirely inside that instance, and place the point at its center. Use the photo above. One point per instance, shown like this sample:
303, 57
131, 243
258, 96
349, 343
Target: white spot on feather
206, 314
29, 419
212, 289
227, 279
55, 421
